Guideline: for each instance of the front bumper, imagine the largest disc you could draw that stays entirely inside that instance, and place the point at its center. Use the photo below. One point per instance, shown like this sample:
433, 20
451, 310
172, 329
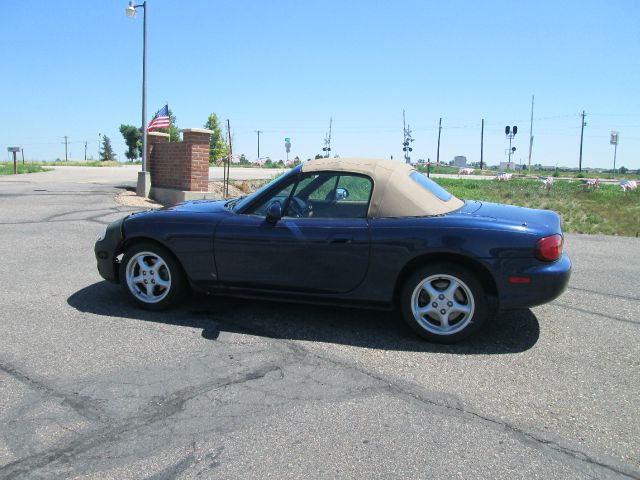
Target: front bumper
106, 251
548, 282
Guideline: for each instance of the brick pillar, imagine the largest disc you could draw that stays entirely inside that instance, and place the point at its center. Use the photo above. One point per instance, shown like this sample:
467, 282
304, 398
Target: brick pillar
180, 165
196, 141
153, 165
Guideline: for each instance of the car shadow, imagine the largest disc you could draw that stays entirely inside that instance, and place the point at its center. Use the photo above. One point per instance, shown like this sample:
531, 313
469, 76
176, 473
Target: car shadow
510, 332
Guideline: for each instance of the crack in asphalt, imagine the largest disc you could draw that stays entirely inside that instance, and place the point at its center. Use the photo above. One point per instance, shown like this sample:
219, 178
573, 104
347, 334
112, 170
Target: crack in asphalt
93, 218
613, 295
452, 404
591, 312
158, 409
164, 407
81, 404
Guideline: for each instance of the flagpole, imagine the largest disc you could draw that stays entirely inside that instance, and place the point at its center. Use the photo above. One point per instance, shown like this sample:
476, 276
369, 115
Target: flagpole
144, 86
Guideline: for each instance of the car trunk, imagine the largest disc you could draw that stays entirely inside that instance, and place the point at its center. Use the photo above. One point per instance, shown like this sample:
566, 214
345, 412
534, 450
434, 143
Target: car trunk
546, 222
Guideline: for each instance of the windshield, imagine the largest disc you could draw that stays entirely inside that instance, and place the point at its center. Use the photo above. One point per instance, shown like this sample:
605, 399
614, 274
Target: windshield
238, 205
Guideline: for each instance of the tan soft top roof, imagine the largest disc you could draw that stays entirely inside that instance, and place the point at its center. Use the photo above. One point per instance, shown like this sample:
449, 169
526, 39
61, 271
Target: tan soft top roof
395, 194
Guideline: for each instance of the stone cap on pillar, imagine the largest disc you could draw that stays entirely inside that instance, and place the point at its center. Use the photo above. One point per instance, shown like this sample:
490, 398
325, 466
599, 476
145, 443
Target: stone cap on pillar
157, 137
196, 135
196, 130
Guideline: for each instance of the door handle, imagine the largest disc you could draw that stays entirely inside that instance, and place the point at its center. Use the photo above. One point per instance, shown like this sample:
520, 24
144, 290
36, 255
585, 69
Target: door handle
340, 239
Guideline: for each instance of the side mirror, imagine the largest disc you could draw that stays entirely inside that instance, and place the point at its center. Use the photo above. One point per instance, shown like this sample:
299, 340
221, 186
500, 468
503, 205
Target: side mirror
274, 212
341, 193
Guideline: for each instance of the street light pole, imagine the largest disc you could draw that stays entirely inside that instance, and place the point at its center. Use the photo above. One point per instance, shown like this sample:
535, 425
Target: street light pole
143, 178
144, 86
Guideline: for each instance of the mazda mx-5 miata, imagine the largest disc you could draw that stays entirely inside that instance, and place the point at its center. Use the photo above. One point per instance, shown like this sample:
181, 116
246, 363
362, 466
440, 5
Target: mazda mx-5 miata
359, 232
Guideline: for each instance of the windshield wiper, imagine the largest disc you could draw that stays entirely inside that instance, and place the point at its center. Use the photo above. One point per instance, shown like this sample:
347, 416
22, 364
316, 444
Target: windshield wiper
231, 203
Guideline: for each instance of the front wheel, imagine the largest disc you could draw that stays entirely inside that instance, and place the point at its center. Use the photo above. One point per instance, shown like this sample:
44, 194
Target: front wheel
151, 277
443, 303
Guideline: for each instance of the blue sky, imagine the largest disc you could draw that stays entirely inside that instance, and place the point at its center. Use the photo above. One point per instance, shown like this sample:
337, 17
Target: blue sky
285, 67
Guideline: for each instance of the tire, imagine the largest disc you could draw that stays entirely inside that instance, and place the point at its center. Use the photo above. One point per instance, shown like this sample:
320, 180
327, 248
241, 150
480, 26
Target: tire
151, 277
439, 313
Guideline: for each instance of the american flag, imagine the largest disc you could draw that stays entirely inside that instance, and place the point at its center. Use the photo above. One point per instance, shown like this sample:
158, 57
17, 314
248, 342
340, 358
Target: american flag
160, 119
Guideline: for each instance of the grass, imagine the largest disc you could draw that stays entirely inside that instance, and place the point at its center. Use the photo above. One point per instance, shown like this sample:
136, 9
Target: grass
6, 168
607, 210
629, 174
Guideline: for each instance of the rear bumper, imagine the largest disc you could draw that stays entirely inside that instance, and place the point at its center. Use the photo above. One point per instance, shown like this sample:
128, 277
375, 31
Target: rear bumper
548, 282
106, 251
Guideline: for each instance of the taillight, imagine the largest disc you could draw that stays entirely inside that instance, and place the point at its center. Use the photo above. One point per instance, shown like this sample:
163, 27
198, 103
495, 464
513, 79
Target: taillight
549, 249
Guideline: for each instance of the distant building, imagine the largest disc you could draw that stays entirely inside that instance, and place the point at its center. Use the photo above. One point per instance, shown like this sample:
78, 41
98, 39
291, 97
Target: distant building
507, 166
460, 161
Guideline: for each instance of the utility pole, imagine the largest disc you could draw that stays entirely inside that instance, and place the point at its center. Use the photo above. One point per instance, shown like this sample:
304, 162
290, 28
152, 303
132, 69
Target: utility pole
258, 132
85, 150
66, 143
327, 141
226, 167
439, 131
530, 135
481, 143
582, 125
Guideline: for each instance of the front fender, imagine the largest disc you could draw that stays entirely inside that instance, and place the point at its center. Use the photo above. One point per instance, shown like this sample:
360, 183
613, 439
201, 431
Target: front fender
107, 249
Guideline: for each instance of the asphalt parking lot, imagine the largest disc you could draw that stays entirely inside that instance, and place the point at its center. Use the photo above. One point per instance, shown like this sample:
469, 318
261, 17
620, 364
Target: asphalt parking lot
92, 388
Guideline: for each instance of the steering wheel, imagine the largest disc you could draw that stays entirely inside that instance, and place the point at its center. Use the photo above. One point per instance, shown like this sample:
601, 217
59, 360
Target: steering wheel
298, 208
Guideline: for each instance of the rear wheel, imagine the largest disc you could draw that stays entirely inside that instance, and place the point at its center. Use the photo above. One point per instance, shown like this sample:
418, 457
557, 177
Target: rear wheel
151, 277
443, 303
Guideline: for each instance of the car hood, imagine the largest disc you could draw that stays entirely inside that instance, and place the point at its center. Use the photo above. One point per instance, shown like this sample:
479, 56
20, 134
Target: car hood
185, 211
198, 206
545, 221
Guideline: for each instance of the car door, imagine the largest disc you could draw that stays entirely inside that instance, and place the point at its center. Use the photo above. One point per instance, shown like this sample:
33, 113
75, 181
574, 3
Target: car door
301, 252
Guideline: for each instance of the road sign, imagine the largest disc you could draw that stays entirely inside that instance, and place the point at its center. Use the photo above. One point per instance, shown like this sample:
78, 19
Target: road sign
13, 149
614, 138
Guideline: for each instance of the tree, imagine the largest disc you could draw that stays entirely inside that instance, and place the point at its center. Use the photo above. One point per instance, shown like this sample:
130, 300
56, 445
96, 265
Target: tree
133, 139
174, 134
106, 152
218, 147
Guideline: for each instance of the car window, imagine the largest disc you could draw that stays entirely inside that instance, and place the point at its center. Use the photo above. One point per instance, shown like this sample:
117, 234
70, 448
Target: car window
323, 189
307, 183
281, 195
336, 195
431, 186
358, 188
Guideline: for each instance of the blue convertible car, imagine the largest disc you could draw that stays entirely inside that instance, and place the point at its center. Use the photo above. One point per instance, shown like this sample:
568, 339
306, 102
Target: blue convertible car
360, 232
